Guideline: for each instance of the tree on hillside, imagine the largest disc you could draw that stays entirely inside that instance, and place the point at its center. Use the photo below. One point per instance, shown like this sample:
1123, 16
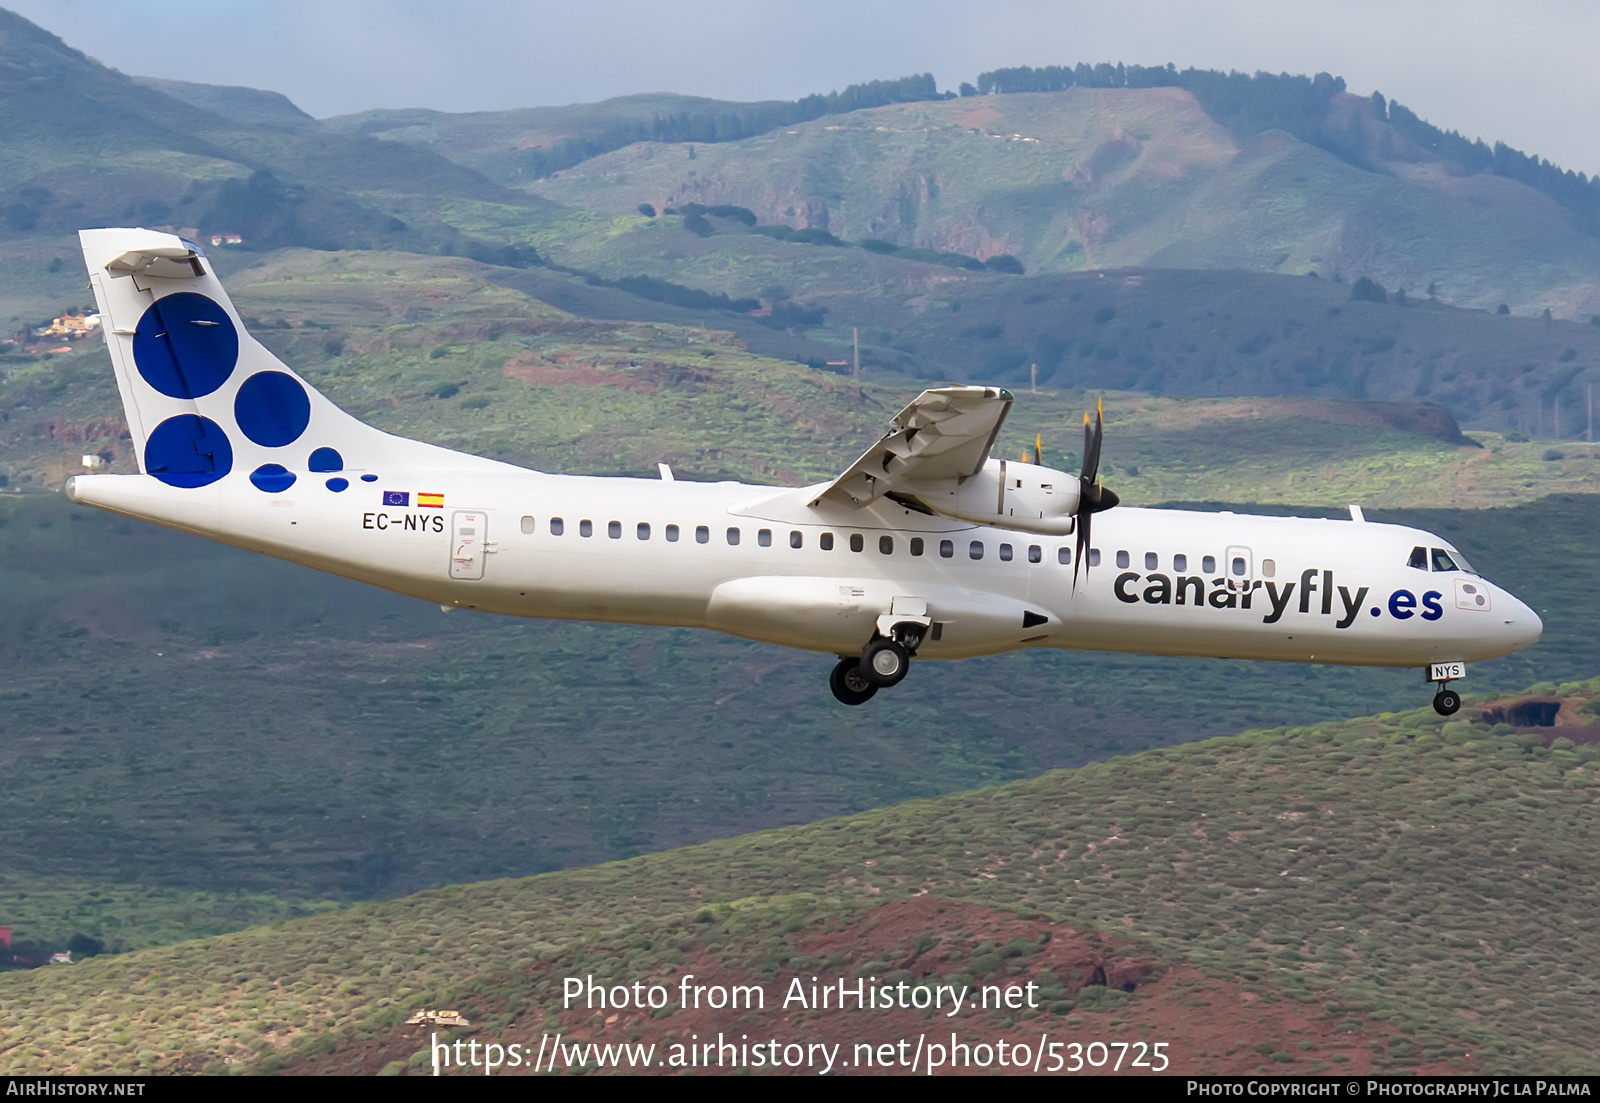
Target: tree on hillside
1366, 290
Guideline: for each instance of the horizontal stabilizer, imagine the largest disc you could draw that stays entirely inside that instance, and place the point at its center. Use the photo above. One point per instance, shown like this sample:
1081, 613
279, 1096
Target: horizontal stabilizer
171, 262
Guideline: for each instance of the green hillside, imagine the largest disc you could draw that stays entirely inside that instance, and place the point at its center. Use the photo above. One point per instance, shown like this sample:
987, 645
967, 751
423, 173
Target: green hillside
1115, 178
88, 146
385, 334
1396, 873
498, 143
240, 105
1156, 330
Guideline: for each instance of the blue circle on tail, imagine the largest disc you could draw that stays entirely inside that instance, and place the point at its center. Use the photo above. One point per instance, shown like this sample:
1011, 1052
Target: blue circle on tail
273, 478
188, 451
325, 460
185, 345
272, 409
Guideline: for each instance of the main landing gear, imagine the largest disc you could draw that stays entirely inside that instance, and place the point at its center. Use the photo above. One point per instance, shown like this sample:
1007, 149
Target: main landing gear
884, 662
1447, 702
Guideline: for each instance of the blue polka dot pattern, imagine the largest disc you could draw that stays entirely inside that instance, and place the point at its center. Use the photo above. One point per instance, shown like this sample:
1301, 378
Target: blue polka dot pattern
272, 409
325, 459
185, 345
338, 485
369, 478
188, 451
273, 478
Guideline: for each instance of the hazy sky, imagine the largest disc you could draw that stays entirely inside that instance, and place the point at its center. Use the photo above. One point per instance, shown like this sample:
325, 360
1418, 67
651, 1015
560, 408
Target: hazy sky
1523, 73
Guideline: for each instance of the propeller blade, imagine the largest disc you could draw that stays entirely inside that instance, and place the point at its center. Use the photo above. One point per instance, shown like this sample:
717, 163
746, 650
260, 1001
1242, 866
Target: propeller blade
1093, 436
1092, 496
1078, 554
1038, 449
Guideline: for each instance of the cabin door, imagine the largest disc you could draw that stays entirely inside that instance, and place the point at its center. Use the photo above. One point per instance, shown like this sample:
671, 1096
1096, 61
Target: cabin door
469, 535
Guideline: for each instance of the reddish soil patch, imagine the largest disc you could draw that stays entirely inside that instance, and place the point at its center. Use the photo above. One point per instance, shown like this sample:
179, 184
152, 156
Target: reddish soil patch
1550, 718
1209, 1026
83, 432
566, 370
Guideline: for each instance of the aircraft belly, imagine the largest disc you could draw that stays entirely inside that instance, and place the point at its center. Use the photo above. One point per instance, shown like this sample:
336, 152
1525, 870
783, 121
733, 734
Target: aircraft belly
840, 614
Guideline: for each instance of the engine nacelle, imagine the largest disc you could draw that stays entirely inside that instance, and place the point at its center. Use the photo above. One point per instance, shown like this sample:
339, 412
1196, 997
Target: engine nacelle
1006, 494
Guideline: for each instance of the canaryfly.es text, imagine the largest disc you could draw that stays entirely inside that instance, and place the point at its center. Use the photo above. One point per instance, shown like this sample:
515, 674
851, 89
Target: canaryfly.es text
800, 994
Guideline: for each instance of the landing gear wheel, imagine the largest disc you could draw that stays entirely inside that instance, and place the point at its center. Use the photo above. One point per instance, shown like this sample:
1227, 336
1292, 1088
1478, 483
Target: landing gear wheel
1447, 702
885, 662
849, 685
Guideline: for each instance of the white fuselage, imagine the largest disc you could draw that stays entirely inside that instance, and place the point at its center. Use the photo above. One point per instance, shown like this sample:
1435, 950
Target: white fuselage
755, 562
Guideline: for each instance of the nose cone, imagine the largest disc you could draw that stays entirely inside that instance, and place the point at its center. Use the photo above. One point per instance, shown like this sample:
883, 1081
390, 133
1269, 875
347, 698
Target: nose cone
1520, 625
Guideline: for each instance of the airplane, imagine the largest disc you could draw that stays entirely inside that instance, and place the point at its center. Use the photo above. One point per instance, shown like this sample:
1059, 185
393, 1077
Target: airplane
927, 547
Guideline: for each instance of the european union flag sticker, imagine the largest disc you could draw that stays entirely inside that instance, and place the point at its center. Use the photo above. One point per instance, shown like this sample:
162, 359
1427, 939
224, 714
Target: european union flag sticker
397, 497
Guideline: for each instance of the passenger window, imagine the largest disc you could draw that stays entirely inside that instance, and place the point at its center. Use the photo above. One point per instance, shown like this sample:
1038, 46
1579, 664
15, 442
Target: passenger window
796, 540
1209, 564
1122, 560
886, 545
614, 530
1005, 553
975, 549
644, 530
1442, 561
857, 542
1094, 557
702, 535
916, 545
825, 541
557, 526
764, 538
1419, 559
1180, 563
733, 537
947, 548
585, 527
1064, 556
672, 534
1035, 553
1238, 565
528, 525
1269, 568
1151, 561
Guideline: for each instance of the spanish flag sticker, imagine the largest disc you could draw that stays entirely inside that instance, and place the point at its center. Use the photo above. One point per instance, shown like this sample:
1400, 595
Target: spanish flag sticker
430, 501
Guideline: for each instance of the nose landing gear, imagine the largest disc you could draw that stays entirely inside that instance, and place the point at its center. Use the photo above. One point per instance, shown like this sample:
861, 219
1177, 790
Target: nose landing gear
1447, 702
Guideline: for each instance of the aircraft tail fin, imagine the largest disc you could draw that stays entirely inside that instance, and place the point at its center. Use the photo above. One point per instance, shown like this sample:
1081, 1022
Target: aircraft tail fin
203, 398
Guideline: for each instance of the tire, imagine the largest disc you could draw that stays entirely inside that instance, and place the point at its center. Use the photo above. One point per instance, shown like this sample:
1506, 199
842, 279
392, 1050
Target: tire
885, 662
1447, 702
849, 685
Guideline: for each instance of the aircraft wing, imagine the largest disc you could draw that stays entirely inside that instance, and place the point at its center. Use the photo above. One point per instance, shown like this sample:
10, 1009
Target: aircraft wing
943, 434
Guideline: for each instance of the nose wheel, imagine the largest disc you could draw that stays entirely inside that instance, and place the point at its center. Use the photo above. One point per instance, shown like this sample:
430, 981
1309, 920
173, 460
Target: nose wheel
1447, 702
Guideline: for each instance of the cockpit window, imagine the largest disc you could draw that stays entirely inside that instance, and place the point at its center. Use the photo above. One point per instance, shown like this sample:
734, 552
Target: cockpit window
1419, 559
1442, 560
